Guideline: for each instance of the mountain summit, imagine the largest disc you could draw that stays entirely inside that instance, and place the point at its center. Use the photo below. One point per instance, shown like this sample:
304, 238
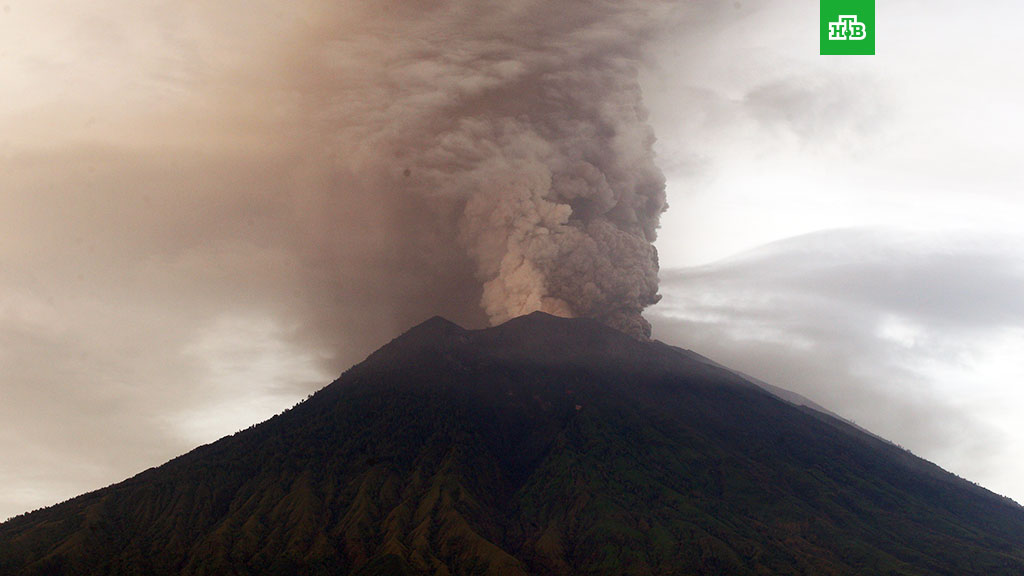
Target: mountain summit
543, 446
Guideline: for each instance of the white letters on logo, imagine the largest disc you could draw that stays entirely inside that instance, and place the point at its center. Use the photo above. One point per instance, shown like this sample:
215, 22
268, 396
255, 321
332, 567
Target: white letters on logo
847, 28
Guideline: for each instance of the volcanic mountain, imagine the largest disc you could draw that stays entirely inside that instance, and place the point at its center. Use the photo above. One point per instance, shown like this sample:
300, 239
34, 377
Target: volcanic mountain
542, 446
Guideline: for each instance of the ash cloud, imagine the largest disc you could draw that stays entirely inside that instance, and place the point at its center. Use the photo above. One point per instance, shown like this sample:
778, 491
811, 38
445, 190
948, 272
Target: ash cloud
327, 174
399, 160
524, 130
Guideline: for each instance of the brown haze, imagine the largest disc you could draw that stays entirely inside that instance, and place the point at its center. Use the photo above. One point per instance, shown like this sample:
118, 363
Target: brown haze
189, 186
375, 163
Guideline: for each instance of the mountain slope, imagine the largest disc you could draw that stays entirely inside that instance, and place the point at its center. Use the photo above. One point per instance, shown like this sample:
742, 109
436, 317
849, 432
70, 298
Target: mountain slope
541, 446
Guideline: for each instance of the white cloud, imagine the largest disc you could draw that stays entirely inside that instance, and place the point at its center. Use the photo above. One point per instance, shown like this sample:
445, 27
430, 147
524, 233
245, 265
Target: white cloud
917, 337
762, 139
250, 368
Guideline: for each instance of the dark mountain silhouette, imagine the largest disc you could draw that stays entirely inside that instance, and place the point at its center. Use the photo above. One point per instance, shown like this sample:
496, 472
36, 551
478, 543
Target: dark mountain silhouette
541, 446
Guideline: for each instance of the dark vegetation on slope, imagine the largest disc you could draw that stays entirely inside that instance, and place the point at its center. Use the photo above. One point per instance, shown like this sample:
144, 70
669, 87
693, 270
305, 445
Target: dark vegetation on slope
542, 446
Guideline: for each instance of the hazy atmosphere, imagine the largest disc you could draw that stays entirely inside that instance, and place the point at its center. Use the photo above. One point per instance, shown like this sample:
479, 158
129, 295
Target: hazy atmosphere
208, 210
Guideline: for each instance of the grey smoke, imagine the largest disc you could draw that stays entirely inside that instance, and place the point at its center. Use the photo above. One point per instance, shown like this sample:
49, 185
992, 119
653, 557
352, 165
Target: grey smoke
524, 128
323, 175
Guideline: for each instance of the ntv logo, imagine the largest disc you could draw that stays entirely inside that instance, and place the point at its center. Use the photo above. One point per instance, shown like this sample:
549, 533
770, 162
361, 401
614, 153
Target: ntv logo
847, 28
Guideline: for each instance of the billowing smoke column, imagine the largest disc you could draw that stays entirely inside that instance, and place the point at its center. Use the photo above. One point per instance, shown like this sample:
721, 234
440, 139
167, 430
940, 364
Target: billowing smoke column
524, 122
565, 203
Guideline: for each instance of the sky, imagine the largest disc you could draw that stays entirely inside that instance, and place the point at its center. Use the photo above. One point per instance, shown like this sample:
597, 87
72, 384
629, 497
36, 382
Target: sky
209, 210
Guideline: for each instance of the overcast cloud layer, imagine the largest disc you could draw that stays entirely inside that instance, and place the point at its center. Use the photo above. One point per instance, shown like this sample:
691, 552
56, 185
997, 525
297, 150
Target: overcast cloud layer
897, 180
916, 337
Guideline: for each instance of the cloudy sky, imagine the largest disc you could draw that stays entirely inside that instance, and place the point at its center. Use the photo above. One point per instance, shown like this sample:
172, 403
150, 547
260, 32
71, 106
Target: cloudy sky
196, 230
849, 227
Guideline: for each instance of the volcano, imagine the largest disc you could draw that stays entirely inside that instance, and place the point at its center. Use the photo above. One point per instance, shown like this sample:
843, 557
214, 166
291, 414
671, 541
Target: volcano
543, 446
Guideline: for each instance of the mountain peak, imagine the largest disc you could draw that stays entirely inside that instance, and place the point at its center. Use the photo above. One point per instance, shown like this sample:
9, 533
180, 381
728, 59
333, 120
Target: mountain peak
545, 445
537, 338
543, 323
426, 337
436, 327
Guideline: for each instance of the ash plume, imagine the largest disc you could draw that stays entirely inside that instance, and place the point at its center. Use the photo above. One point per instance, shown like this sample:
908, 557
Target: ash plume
344, 169
523, 127
315, 175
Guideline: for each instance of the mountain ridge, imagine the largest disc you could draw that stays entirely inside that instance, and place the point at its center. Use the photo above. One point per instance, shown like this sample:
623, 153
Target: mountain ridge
541, 446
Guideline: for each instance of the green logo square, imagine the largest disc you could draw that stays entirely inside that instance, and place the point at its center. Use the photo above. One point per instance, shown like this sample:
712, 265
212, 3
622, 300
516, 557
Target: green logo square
847, 27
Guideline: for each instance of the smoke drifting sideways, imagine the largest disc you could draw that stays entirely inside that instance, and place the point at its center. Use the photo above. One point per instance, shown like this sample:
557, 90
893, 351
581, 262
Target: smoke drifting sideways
347, 169
194, 192
521, 126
